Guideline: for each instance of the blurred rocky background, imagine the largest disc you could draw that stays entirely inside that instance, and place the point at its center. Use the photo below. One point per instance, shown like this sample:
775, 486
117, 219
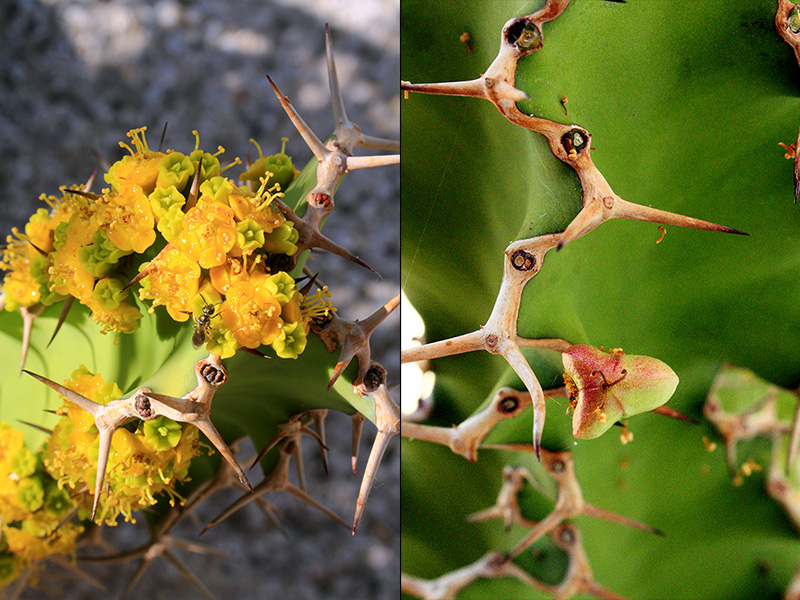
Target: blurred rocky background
75, 76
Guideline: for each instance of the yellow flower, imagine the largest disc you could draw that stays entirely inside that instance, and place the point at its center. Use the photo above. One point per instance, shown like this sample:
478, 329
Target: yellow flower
233, 270
39, 230
93, 386
282, 240
67, 274
20, 290
139, 169
174, 170
208, 233
222, 342
292, 310
173, 282
122, 318
21, 287
137, 471
35, 540
258, 208
284, 286
130, 221
252, 314
11, 442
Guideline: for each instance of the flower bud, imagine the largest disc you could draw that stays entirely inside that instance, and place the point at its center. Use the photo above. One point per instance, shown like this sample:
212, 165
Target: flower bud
607, 387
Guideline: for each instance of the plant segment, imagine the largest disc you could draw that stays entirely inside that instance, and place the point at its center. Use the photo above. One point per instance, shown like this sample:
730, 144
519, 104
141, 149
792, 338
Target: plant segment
175, 255
675, 296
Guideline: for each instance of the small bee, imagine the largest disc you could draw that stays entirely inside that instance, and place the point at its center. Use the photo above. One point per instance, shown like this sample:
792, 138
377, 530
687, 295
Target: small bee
202, 324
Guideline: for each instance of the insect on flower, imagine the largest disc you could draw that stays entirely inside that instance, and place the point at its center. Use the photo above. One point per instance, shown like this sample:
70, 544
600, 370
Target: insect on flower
202, 323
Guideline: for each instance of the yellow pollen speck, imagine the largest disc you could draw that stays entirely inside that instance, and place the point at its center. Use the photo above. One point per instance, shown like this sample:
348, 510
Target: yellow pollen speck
600, 414
750, 467
626, 436
791, 149
710, 446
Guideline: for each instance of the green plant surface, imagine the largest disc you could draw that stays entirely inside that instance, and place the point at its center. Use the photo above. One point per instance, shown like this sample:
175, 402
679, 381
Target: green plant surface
685, 107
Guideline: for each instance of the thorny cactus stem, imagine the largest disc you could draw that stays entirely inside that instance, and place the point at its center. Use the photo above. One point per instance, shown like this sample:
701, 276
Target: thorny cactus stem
29, 314
446, 587
387, 420
520, 36
742, 407
569, 503
781, 487
194, 408
761, 418
162, 544
336, 157
293, 427
358, 426
569, 143
352, 339
507, 505
277, 481
579, 578
522, 260
348, 134
466, 437
226, 478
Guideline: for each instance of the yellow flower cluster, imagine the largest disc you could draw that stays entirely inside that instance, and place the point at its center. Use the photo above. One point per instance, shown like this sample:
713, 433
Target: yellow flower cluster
146, 458
32, 504
211, 244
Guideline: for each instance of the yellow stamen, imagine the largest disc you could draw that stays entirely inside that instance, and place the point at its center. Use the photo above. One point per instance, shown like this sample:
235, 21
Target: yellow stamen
317, 304
255, 143
234, 162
